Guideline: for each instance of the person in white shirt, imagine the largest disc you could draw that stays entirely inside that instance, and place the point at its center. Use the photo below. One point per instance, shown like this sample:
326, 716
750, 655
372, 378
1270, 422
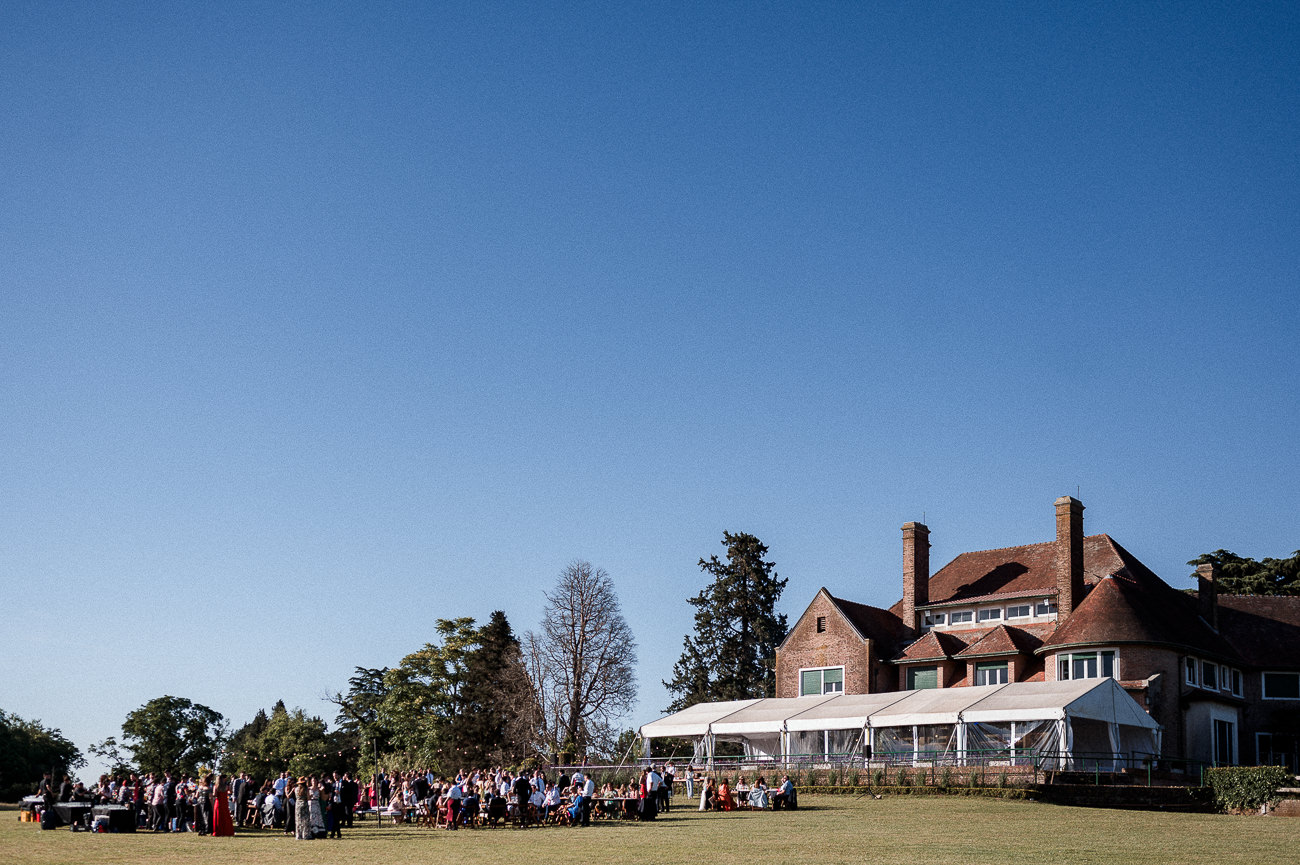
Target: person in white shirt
454, 795
588, 795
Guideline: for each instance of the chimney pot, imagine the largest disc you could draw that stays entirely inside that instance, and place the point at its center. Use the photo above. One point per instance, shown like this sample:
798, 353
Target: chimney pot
1069, 555
1207, 593
916, 573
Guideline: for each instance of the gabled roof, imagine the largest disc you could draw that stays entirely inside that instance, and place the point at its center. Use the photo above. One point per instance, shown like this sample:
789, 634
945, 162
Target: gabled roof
1264, 629
1124, 609
1022, 571
873, 622
937, 646
870, 623
1004, 640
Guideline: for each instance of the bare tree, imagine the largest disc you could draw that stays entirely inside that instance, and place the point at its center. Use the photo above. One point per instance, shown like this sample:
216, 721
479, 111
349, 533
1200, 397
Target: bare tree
582, 664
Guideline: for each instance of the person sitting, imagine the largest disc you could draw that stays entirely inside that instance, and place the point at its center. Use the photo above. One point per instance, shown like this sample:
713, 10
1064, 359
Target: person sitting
785, 796
497, 810
709, 795
758, 798
725, 802
470, 806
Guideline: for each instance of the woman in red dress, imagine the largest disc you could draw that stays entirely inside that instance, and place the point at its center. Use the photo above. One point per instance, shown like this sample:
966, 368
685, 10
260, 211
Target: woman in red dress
222, 824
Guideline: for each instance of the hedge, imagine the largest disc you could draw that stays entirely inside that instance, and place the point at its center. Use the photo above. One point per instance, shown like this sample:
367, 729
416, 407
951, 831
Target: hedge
1246, 788
981, 792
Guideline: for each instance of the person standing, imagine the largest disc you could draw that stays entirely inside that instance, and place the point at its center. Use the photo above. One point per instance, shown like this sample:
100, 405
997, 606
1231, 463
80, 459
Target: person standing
301, 811
240, 787
349, 790
223, 826
454, 797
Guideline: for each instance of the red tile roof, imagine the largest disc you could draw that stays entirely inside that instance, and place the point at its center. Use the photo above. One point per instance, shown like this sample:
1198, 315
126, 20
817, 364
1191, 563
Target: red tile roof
1264, 629
873, 622
1006, 640
1125, 609
1018, 571
938, 645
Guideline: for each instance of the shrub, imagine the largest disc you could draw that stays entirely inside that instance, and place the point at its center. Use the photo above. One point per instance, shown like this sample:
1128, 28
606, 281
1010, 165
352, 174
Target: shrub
903, 778
877, 777
855, 778
1242, 788
945, 777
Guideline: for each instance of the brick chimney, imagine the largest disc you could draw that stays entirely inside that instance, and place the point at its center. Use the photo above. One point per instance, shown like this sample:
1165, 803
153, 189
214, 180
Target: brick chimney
916, 573
1207, 592
1069, 555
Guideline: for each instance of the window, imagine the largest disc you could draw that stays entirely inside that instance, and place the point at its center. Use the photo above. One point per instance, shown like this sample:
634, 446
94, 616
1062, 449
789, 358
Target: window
1236, 683
1189, 668
821, 624
827, 681
992, 673
960, 616
932, 619
990, 615
1087, 665
922, 677
1023, 611
1046, 607
1225, 742
1282, 686
1209, 676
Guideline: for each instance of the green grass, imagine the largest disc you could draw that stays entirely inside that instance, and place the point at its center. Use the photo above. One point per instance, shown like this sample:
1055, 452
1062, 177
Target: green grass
830, 829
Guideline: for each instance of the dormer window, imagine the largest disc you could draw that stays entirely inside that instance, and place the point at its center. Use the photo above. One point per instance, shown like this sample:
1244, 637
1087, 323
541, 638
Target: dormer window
1021, 611
1045, 607
991, 615
961, 617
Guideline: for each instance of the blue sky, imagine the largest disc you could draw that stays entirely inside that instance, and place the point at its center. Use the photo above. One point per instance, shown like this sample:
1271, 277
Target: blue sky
319, 322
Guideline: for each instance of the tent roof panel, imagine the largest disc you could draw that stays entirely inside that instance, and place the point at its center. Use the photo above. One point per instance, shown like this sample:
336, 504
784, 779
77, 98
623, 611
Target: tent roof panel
931, 706
845, 712
693, 720
766, 716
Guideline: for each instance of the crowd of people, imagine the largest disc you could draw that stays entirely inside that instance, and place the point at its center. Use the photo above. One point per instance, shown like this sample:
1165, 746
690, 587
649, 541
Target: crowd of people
312, 807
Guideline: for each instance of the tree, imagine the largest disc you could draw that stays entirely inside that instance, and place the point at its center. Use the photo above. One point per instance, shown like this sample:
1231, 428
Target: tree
424, 699
1243, 576
582, 664
360, 719
27, 750
732, 654
109, 752
291, 740
173, 734
496, 714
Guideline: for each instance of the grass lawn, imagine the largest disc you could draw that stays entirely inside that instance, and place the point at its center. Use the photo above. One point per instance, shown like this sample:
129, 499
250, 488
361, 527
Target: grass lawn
829, 829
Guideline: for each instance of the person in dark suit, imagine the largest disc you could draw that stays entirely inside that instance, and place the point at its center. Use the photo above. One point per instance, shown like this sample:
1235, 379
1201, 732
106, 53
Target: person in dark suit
350, 790
241, 798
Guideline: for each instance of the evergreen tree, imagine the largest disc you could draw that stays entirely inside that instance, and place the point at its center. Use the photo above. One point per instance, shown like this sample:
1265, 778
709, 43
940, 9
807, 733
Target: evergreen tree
731, 655
1245, 576
494, 723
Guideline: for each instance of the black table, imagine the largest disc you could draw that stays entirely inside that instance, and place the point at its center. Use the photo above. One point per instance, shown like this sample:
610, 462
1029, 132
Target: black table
71, 812
120, 817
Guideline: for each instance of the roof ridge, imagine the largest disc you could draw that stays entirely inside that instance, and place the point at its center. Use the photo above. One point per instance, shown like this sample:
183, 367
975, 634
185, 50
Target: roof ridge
1022, 546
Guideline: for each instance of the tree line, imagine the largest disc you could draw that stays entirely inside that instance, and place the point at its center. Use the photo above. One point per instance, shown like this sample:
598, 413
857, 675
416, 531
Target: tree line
479, 695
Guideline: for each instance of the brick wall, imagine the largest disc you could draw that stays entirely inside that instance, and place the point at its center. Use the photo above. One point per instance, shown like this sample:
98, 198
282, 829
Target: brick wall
838, 645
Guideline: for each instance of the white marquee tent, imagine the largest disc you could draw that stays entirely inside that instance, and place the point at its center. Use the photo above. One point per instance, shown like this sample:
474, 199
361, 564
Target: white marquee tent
1019, 721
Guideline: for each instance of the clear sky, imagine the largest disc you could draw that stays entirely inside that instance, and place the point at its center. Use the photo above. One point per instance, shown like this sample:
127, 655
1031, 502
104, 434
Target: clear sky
319, 322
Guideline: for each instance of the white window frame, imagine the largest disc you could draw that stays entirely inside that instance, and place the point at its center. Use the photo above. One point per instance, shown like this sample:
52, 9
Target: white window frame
823, 671
1263, 684
1045, 607
934, 619
1208, 669
1068, 657
1236, 682
968, 617
1192, 672
989, 614
988, 665
1027, 614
